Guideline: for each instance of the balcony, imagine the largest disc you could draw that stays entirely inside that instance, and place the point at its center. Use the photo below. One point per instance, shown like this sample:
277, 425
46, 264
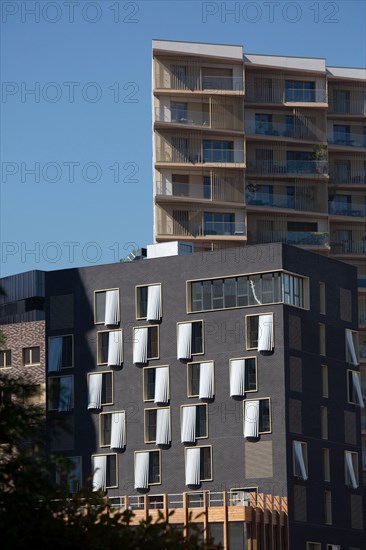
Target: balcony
348, 175
354, 247
221, 189
307, 238
220, 115
288, 167
222, 83
193, 118
193, 152
347, 105
347, 140
190, 224
354, 210
278, 129
269, 92
300, 200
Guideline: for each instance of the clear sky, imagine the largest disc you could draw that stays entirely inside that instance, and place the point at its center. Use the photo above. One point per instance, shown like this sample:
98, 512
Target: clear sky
76, 175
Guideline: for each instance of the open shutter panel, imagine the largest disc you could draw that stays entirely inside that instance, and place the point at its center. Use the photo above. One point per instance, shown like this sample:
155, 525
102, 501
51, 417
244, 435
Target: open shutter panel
184, 341
193, 463
118, 430
237, 377
265, 333
206, 386
142, 470
95, 391
251, 418
153, 303
140, 345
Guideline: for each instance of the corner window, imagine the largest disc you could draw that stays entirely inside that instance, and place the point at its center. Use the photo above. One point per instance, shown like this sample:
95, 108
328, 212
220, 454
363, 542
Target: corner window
104, 469
106, 307
112, 429
60, 391
200, 380
198, 465
31, 356
259, 332
110, 348
256, 417
149, 302
145, 344
147, 469
60, 353
5, 358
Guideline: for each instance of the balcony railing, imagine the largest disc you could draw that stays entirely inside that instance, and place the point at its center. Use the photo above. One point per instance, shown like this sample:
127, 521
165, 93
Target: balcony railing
283, 130
219, 191
362, 316
195, 82
313, 238
347, 140
199, 118
222, 83
198, 228
199, 155
219, 116
349, 176
278, 94
295, 95
348, 247
347, 106
279, 200
288, 167
355, 210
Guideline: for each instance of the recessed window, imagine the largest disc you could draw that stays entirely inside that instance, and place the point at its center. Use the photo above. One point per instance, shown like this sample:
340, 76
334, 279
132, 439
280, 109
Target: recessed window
189, 339
60, 353
256, 417
326, 465
147, 469
149, 302
198, 465
110, 348
100, 389
328, 507
157, 426
351, 469
194, 423
300, 460
354, 388
145, 344
104, 469
112, 429
72, 476
31, 356
325, 392
5, 358
351, 347
60, 390
243, 376
245, 496
322, 304
322, 347
156, 385
324, 422
259, 332
106, 307
200, 380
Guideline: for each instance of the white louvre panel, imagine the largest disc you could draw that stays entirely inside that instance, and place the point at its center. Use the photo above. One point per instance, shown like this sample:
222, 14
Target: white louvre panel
251, 418
118, 430
357, 388
111, 307
193, 463
265, 333
350, 470
153, 303
95, 391
184, 341
351, 347
299, 461
65, 397
189, 424
237, 377
140, 345
141, 470
163, 427
206, 387
161, 385
55, 354
115, 348
99, 473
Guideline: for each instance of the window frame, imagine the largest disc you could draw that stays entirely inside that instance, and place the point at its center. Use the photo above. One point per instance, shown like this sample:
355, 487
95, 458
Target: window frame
247, 339
256, 370
304, 445
99, 332
325, 380
3, 353
322, 339
137, 299
189, 365
349, 376
328, 520
146, 439
355, 458
322, 298
49, 381
31, 364
356, 344
324, 422
104, 445
270, 412
72, 349
58, 474
326, 464
109, 372
145, 380
95, 304
211, 459
195, 405
107, 455
160, 464
203, 334
158, 339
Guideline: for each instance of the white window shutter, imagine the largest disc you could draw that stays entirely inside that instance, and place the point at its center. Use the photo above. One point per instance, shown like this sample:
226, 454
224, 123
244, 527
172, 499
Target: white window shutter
251, 418
193, 464
184, 350
95, 391
115, 348
141, 335
142, 470
206, 386
188, 424
118, 430
163, 426
111, 307
265, 333
161, 385
237, 377
99, 473
153, 303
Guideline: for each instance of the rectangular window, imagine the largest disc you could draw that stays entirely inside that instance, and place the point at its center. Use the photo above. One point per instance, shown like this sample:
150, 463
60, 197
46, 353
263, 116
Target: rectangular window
300, 460
328, 507
194, 423
157, 426
72, 476
200, 380
60, 353
147, 469
247, 496
31, 356
256, 417
313, 546
190, 339
156, 386
324, 422
322, 304
243, 376
104, 469
354, 388
60, 391
326, 465
149, 302
325, 392
322, 346
259, 332
351, 347
300, 91
198, 465
145, 344
100, 389
5, 358
110, 348
106, 307
351, 469
112, 429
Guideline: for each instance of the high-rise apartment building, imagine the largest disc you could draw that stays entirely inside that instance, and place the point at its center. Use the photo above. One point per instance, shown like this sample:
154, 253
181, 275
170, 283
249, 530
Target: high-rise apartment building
252, 149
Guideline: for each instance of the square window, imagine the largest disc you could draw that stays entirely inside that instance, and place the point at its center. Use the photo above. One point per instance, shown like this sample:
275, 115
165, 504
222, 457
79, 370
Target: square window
147, 469
100, 389
257, 417
200, 380
199, 468
259, 332
106, 307
149, 302
5, 358
60, 353
104, 472
190, 339
110, 348
145, 344
112, 429
243, 376
60, 391
194, 422
31, 356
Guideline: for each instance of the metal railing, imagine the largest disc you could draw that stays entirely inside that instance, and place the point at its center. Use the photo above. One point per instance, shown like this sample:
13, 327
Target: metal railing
347, 106
178, 116
347, 139
199, 156
279, 94
355, 210
348, 176
199, 228
281, 129
219, 192
278, 200
348, 247
313, 238
288, 167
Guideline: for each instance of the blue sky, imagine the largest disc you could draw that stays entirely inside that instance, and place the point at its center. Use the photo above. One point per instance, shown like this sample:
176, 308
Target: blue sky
76, 178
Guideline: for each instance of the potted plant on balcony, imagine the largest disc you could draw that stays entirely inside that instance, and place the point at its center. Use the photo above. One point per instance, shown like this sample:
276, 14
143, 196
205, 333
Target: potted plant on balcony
319, 155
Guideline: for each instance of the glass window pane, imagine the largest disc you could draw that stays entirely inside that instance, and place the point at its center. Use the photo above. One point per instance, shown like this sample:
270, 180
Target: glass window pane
250, 374
264, 415
218, 294
242, 290
154, 467
111, 471
100, 307
201, 421
150, 375
36, 355
106, 420
205, 463
194, 378
230, 292
196, 292
197, 337
207, 300
107, 388
142, 292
